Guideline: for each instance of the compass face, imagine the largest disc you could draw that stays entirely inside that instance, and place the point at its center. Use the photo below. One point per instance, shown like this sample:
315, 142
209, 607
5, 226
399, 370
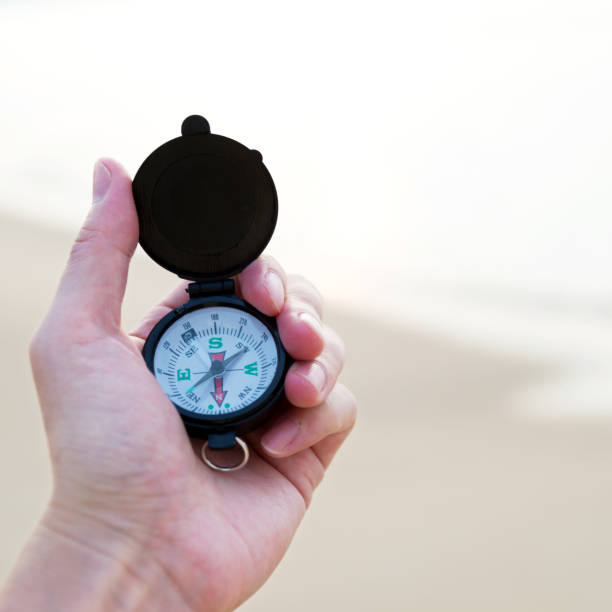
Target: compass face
216, 360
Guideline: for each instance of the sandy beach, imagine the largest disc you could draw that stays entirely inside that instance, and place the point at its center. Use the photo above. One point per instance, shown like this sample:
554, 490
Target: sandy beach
442, 500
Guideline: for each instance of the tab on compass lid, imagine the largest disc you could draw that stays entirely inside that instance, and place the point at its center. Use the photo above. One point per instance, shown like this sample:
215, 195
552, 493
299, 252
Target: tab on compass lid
206, 204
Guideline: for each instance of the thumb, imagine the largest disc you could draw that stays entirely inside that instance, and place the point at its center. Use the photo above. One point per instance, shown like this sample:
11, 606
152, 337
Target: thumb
93, 283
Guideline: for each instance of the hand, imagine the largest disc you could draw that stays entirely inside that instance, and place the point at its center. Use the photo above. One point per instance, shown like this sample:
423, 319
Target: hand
135, 514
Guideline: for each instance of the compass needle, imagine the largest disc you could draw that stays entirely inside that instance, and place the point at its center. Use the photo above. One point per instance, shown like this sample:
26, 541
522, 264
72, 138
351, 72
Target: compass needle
200, 228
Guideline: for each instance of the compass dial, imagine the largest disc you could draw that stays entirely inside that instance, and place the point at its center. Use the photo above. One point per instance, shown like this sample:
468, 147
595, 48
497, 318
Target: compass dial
215, 360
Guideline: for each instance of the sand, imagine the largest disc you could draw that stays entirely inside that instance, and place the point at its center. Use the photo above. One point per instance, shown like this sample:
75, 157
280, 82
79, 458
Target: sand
443, 499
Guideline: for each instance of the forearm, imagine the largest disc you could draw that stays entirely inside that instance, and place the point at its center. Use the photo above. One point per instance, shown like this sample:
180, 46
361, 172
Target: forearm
78, 566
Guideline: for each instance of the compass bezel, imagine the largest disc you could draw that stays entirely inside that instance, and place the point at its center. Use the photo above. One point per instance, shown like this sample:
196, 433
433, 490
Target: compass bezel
243, 420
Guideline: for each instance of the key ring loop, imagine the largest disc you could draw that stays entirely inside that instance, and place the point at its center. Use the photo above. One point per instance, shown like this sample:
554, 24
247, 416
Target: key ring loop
232, 468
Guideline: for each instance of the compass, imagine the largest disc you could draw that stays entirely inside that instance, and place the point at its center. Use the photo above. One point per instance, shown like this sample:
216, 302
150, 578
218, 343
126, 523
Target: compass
207, 207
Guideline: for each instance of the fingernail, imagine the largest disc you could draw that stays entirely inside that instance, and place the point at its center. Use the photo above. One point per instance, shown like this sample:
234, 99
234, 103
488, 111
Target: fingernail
313, 322
281, 436
101, 181
276, 289
314, 373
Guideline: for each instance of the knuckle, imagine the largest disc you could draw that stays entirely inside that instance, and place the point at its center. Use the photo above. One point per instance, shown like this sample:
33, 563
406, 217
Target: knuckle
87, 235
334, 345
352, 411
36, 348
70, 332
350, 406
301, 286
271, 262
82, 330
298, 304
92, 239
299, 280
326, 376
342, 407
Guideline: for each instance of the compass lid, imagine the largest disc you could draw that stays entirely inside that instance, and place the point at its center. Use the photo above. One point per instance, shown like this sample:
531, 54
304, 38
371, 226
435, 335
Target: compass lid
206, 204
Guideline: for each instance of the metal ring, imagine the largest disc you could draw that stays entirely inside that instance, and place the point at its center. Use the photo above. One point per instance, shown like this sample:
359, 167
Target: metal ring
231, 468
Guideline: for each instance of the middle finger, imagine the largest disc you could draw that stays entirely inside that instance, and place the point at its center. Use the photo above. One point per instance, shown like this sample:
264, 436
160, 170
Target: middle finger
308, 383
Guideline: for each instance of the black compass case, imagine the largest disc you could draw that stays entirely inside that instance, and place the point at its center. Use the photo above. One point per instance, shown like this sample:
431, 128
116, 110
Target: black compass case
207, 207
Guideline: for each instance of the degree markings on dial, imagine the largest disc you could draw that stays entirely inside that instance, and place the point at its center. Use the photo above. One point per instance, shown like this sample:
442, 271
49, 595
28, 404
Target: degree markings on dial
240, 330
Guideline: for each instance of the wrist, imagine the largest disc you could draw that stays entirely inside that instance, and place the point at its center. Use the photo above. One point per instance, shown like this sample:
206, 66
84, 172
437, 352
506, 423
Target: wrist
76, 562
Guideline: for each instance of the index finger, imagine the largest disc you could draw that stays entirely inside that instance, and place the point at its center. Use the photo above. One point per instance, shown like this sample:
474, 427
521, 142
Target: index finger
263, 284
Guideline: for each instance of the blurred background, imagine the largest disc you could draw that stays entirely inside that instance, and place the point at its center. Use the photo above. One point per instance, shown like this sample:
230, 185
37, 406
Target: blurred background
443, 172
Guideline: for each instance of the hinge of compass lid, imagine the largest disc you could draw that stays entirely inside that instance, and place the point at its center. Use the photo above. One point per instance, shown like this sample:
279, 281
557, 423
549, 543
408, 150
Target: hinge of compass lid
205, 288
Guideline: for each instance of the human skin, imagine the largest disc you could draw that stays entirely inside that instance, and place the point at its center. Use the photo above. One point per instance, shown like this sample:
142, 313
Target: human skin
135, 519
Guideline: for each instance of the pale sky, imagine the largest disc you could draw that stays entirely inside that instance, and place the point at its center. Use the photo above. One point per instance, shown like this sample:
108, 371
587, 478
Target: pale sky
457, 155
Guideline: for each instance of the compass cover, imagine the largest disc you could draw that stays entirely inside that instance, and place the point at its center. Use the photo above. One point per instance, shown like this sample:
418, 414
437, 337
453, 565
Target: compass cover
206, 204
